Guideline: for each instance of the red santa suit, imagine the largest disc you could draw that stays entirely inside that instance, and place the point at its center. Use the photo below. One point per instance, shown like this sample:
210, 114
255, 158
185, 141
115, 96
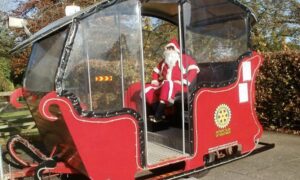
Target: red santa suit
166, 77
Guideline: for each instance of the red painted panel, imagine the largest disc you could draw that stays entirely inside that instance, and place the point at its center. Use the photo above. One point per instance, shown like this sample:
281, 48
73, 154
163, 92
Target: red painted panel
108, 147
223, 104
14, 98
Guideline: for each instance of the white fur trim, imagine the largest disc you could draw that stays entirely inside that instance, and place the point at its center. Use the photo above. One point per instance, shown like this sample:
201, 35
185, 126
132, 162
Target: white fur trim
169, 74
171, 87
172, 44
162, 66
147, 89
156, 70
193, 67
177, 82
155, 82
186, 82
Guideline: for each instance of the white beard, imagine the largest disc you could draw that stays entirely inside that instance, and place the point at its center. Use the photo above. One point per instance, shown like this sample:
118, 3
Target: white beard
171, 57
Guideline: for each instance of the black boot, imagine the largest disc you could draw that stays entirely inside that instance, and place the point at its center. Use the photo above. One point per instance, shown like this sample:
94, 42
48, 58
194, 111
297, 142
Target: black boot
149, 109
160, 111
154, 107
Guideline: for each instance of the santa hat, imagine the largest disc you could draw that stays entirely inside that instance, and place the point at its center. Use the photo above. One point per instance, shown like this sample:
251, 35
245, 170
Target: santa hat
173, 43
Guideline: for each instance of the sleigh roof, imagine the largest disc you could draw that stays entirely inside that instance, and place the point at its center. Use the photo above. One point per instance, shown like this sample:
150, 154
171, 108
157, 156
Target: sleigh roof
217, 11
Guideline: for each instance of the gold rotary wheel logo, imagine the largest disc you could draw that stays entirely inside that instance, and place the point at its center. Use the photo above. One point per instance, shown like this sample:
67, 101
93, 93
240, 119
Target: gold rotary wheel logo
222, 116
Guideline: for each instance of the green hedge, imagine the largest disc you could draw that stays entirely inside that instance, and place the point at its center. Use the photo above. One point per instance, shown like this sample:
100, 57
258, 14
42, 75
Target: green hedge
278, 90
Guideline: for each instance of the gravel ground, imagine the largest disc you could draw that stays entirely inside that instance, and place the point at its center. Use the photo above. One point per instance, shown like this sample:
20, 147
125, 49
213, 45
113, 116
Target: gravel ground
279, 163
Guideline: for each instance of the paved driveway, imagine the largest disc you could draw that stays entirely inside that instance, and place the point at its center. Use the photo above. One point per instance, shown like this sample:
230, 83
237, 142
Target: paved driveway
279, 163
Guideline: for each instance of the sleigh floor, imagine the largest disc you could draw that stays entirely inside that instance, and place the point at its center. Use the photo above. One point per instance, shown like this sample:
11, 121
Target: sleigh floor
164, 145
158, 153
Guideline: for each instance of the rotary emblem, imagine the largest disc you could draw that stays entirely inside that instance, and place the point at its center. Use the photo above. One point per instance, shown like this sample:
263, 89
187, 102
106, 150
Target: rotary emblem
222, 116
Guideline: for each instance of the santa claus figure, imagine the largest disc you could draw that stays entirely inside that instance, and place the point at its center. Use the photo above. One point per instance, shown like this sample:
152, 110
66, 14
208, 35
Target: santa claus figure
166, 79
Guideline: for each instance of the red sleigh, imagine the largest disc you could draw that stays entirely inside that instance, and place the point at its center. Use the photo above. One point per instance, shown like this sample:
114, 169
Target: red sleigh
86, 93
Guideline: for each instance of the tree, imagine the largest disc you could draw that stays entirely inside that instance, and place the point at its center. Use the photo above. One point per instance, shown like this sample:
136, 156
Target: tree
278, 26
38, 14
6, 42
156, 34
41, 13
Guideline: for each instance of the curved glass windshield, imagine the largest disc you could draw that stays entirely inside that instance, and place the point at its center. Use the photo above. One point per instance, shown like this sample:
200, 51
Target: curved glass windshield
106, 59
215, 31
43, 63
